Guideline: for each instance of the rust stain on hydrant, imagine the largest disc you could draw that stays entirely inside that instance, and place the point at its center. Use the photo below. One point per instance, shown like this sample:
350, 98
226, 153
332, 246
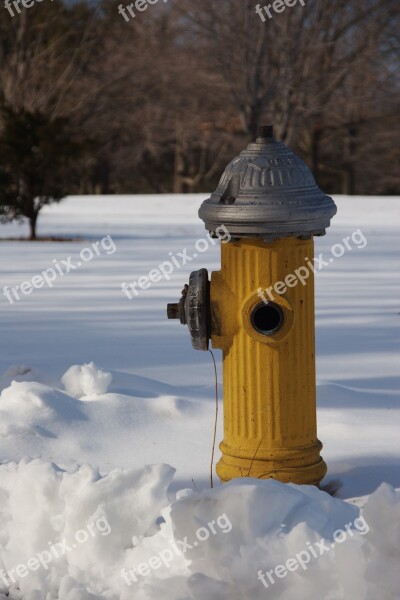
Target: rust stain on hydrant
259, 310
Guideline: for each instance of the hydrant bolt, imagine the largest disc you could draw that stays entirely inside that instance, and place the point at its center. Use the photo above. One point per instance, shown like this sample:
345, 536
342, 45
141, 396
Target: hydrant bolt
173, 311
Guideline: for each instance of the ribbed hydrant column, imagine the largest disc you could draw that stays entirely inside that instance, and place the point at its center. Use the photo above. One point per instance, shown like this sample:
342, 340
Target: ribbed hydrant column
269, 378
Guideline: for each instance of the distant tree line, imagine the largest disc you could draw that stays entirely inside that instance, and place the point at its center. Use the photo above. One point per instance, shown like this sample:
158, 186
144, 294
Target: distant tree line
161, 103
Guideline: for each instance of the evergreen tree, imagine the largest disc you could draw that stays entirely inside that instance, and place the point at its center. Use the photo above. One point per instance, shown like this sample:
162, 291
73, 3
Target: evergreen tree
38, 159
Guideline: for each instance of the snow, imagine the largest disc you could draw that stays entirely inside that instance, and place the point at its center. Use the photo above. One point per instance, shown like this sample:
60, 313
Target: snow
95, 386
82, 381
80, 535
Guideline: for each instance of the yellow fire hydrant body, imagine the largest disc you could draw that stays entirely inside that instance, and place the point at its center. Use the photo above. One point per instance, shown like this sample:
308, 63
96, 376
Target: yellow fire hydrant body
269, 380
259, 310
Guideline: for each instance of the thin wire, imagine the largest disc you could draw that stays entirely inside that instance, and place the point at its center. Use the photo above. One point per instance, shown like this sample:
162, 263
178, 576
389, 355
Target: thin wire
216, 418
257, 449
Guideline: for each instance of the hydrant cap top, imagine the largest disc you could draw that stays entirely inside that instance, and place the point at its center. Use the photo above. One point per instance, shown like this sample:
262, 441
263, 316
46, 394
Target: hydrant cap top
268, 192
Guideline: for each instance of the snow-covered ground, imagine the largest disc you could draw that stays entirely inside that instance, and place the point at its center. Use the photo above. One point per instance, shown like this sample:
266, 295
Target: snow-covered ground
90, 377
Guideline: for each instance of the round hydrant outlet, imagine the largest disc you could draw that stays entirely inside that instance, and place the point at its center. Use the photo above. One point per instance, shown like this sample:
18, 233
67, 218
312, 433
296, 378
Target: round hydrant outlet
258, 312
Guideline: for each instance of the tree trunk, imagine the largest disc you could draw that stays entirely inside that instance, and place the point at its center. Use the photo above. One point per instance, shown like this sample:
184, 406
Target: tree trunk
315, 153
349, 176
32, 226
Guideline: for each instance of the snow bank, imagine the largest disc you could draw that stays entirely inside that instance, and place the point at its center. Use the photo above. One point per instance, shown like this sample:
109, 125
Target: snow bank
30, 409
39, 419
69, 531
23, 373
78, 535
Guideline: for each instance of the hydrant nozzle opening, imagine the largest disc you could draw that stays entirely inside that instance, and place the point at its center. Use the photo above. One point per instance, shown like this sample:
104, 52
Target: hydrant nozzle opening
267, 319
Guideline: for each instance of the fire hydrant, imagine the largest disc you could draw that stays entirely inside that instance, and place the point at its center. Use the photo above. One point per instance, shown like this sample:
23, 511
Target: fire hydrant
259, 310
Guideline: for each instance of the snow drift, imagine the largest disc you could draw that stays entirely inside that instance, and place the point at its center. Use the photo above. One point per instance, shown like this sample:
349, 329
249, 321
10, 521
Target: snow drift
78, 535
